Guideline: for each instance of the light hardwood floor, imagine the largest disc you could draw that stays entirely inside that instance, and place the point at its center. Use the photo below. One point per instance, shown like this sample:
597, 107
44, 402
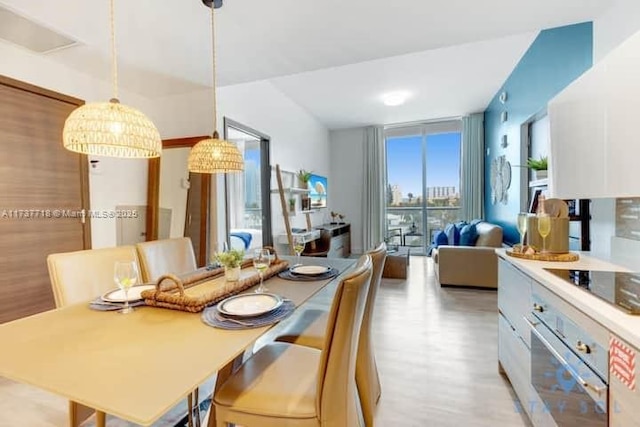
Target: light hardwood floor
436, 350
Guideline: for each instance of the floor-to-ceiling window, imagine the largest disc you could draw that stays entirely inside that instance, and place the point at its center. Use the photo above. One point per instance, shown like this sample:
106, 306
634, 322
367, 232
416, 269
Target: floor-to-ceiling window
423, 181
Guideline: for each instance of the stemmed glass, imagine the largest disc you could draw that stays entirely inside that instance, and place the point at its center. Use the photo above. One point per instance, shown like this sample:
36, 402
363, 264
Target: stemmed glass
261, 261
125, 274
544, 228
298, 247
522, 227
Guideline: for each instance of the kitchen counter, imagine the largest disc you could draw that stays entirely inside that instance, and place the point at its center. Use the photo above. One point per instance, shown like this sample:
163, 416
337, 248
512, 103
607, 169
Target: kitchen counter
623, 325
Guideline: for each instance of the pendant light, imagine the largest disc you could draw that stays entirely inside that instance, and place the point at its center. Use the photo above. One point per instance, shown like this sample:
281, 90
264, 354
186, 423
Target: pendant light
214, 155
109, 128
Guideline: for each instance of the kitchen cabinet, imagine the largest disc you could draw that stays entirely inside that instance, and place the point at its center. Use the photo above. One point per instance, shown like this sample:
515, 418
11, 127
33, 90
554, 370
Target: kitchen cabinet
514, 302
593, 129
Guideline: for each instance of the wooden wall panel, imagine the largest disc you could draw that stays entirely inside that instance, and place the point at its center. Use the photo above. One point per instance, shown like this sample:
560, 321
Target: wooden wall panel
39, 180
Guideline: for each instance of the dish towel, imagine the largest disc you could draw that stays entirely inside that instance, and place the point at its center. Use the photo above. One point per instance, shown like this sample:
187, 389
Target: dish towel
290, 275
212, 317
100, 305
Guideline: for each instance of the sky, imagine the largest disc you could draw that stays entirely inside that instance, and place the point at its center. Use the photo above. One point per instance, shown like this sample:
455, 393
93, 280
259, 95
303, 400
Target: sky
404, 162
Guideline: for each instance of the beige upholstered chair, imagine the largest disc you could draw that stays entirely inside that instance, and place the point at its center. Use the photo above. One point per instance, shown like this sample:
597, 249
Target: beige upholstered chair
159, 257
287, 385
311, 328
83, 275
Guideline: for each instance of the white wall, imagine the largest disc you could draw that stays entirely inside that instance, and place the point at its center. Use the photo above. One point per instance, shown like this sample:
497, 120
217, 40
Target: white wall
173, 194
347, 171
298, 140
619, 23
120, 182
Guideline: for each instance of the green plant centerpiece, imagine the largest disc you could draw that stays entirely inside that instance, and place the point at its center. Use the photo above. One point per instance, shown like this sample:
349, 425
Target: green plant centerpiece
304, 177
232, 262
540, 164
231, 259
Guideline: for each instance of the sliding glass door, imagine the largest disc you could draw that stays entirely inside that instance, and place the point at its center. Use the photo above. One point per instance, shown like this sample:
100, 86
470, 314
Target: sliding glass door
423, 181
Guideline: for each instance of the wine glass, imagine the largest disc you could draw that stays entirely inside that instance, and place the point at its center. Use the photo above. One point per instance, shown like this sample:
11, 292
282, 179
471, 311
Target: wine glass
298, 247
522, 227
125, 274
544, 228
261, 261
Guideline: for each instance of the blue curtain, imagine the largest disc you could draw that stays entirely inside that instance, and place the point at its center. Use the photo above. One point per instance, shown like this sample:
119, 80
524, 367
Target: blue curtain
473, 166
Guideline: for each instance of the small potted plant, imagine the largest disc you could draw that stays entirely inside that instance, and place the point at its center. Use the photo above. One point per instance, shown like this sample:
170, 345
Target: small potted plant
232, 262
304, 177
539, 166
292, 205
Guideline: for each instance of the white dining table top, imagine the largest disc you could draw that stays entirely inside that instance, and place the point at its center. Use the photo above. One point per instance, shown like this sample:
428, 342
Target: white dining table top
135, 366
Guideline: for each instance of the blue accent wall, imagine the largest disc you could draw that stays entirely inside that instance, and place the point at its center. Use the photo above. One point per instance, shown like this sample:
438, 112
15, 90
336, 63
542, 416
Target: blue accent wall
555, 58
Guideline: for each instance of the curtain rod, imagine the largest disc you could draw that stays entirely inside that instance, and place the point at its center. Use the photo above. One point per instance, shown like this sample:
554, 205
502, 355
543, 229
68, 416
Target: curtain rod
422, 122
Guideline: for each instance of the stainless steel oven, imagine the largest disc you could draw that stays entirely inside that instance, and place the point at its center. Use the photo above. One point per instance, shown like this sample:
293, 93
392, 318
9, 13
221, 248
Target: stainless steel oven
568, 369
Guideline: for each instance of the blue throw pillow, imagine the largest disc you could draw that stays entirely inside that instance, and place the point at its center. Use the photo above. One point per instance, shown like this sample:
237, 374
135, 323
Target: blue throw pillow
453, 235
468, 235
440, 238
476, 221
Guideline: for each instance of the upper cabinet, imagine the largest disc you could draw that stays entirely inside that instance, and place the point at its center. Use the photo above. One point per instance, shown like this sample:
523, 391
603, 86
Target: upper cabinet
594, 142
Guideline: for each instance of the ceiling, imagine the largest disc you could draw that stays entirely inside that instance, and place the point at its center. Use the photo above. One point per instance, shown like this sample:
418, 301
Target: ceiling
453, 55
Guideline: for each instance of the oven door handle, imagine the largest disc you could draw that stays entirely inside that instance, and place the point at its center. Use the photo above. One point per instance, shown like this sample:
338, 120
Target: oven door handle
590, 388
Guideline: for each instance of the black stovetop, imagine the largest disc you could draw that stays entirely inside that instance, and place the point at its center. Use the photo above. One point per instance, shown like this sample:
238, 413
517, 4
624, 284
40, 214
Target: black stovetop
622, 290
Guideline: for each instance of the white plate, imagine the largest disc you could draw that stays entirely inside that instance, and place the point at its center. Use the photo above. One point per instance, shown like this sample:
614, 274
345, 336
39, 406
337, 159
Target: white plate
310, 270
249, 305
117, 295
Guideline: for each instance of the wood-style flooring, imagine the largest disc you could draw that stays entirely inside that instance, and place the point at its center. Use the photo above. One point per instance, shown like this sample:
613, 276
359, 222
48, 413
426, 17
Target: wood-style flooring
436, 350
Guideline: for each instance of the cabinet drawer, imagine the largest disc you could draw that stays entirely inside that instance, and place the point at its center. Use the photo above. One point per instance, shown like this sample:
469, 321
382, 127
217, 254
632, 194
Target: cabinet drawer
514, 297
515, 358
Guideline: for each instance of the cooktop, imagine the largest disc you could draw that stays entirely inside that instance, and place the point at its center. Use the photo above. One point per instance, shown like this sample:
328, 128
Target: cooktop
621, 290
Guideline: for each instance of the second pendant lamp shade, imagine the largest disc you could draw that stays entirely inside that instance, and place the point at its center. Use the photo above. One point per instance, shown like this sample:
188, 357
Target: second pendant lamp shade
215, 155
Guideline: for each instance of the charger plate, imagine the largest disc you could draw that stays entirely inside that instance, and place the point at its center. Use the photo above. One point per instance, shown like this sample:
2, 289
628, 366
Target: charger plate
249, 305
310, 270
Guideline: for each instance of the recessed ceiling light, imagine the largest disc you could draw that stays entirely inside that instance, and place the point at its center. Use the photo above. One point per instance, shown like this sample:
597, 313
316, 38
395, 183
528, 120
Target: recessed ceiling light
393, 99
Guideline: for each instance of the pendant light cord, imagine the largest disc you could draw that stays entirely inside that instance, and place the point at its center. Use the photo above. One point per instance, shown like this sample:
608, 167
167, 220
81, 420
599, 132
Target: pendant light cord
213, 50
114, 58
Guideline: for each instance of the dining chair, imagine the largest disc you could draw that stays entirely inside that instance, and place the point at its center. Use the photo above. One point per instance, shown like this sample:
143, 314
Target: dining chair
311, 327
83, 275
159, 257
287, 385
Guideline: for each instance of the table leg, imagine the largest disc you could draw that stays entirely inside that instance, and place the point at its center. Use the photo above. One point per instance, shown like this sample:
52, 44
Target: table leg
101, 419
78, 413
223, 375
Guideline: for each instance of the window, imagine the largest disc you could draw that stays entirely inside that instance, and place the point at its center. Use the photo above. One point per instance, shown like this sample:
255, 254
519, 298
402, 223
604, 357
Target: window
423, 181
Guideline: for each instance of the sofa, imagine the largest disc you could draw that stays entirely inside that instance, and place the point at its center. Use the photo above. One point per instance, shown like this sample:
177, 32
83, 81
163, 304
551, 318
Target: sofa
475, 266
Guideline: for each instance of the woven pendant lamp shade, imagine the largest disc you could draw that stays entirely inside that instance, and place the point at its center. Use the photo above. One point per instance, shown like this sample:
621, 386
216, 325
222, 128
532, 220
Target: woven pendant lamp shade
215, 155
111, 129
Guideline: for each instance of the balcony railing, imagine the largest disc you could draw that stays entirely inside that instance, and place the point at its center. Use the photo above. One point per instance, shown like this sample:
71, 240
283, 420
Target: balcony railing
405, 226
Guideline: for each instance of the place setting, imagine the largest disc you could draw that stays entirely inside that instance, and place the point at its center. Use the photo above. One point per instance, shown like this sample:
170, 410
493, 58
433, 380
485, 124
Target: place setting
301, 272
246, 311
128, 295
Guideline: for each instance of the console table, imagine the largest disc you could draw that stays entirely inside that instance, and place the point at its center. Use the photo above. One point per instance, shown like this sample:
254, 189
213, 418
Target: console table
340, 239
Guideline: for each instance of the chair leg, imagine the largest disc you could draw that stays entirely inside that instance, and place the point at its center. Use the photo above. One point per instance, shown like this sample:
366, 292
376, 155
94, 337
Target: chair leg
190, 411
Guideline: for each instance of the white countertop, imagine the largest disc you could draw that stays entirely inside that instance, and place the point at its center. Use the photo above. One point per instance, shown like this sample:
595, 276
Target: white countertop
623, 325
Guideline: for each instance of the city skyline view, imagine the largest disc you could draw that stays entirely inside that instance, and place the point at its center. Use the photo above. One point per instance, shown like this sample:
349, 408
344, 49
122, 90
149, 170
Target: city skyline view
404, 162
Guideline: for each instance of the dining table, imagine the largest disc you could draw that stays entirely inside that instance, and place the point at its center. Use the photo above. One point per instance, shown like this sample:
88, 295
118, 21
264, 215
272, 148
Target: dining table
137, 366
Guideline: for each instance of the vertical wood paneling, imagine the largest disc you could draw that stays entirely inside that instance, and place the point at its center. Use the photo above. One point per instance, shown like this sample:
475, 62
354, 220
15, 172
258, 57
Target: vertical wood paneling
37, 174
